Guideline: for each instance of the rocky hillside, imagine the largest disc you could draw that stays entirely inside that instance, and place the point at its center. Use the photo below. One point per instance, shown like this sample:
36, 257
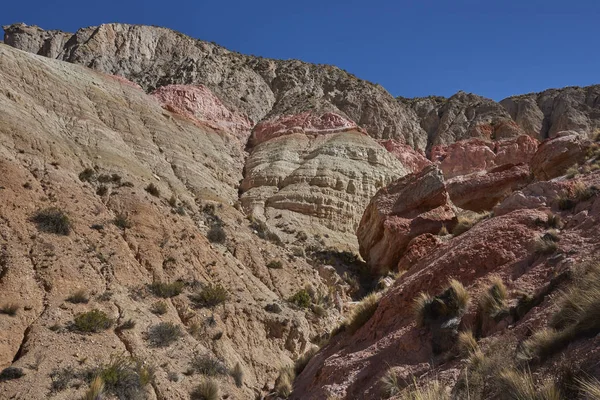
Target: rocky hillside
177, 217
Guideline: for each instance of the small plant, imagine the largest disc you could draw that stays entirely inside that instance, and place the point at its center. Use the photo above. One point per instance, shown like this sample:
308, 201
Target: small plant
11, 373
580, 192
467, 221
92, 321
434, 390
173, 201
304, 359
520, 386
544, 245
79, 297
451, 303
87, 175
238, 375
208, 389
493, 301
216, 234
159, 308
207, 365
9, 309
319, 310
590, 388
210, 296
129, 324
122, 221
443, 231
275, 264
164, 334
466, 343
95, 390
124, 376
301, 298
102, 190
390, 383
362, 312
284, 381
166, 290
554, 221
62, 378
153, 190
52, 220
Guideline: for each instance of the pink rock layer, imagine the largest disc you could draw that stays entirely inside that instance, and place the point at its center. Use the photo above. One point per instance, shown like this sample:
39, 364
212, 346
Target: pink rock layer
468, 156
124, 81
301, 123
199, 103
409, 157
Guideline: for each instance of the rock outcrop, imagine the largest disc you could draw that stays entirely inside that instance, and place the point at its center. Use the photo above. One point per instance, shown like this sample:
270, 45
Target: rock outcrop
555, 156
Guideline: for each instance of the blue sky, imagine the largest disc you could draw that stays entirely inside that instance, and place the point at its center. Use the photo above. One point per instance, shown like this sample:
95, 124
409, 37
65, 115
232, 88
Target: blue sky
413, 48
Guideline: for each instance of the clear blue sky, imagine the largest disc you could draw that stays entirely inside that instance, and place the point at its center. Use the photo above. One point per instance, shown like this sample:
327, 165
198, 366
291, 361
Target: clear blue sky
413, 48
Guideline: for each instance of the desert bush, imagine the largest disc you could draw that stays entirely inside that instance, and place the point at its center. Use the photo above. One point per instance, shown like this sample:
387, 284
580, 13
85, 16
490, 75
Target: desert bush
124, 376
92, 321
166, 290
208, 365
208, 389
301, 298
451, 303
304, 359
164, 334
10, 373
210, 296
87, 175
159, 308
520, 386
9, 309
79, 297
238, 375
216, 234
466, 343
362, 312
62, 378
319, 310
275, 264
122, 221
101, 190
284, 381
52, 220
153, 190
493, 300
129, 324
263, 231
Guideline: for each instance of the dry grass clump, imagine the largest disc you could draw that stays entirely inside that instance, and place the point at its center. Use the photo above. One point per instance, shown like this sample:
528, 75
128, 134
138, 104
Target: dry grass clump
93, 321
284, 382
467, 221
391, 385
166, 290
590, 388
275, 264
362, 312
493, 301
208, 365
208, 389
238, 375
580, 193
466, 343
9, 309
124, 376
518, 385
79, 297
153, 190
164, 334
304, 359
122, 221
545, 245
95, 391
451, 303
210, 296
434, 390
159, 308
52, 220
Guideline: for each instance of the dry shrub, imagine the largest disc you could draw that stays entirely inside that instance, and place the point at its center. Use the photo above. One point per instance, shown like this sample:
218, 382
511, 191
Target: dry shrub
284, 382
493, 301
453, 302
466, 343
362, 312
304, 359
208, 389
520, 386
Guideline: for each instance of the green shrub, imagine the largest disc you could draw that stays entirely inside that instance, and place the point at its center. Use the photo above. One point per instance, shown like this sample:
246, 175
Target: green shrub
210, 296
52, 220
164, 334
216, 234
153, 190
208, 365
275, 264
129, 324
362, 312
10, 373
124, 376
166, 290
122, 221
9, 309
92, 321
79, 297
208, 389
301, 298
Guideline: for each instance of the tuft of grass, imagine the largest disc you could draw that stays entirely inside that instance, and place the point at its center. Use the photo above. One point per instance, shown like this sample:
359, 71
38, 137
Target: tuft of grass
554, 221
238, 375
164, 334
493, 301
122, 221
216, 234
208, 389
544, 245
129, 324
301, 298
9, 309
166, 290
467, 221
391, 384
304, 359
210, 296
520, 386
124, 376
362, 312
93, 321
95, 391
467, 345
208, 365
79, 297
52, 220
590, 388
159, 308
443, 231
319, 310
580, 192
284, 382
275, 264
434, 390
453, 302
153, 190
10, 373
87, 175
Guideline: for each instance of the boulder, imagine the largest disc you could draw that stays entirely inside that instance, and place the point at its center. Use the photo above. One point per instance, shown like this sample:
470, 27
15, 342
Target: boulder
410, 206
555, 156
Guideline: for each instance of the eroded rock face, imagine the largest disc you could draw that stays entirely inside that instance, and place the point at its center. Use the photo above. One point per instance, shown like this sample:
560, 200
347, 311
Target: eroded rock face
412, 159
410, 206
555, 156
